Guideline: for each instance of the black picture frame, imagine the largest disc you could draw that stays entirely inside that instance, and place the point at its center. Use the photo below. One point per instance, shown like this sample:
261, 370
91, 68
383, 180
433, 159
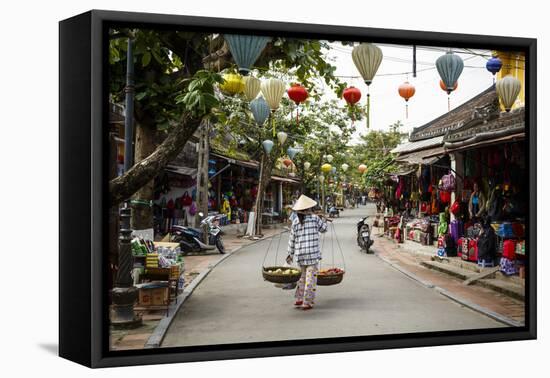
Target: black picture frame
83, 116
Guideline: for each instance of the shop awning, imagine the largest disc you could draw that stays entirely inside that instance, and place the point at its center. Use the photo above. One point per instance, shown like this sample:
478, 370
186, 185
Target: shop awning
419, 145
472, 143
285, 179
181, 170
425, 157
247, 164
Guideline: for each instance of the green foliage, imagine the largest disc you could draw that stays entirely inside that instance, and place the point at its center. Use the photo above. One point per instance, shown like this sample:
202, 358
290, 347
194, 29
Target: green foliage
199, 99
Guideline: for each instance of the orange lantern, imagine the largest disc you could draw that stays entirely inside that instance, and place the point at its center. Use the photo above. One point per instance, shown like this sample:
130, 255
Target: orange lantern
287, 162
406, 90
442, 86
362, 168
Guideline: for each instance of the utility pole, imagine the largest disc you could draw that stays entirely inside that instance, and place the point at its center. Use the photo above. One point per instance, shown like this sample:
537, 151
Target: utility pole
125, 293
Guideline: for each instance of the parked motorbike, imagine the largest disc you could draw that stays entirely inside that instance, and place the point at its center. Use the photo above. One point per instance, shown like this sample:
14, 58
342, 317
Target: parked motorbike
191, 239
363, 235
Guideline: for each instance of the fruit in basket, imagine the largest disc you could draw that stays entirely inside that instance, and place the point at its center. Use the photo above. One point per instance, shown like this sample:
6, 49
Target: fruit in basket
331, 271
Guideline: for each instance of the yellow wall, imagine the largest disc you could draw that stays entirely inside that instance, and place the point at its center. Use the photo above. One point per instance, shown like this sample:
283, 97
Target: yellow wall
513, 64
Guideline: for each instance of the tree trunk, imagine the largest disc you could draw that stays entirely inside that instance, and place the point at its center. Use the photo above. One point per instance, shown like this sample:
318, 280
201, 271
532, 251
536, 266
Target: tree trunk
266, 166
123, 187
142, 215
202, 173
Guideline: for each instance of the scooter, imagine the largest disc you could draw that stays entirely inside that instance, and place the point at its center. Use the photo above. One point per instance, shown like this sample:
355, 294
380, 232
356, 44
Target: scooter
363, 235
191, 239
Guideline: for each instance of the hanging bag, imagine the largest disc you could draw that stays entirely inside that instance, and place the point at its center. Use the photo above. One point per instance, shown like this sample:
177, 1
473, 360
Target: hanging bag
186, 199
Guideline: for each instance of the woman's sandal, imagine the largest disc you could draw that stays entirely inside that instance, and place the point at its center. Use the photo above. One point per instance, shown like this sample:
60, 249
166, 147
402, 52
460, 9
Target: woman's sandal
307, 307
298, 303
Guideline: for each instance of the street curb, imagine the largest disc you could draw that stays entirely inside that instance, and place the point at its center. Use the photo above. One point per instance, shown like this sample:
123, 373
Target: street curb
457, 299
159, 333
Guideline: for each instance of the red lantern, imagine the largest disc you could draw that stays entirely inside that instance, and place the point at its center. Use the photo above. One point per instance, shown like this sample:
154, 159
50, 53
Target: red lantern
406, 90
444, 87
287, 162
352, 96
298, 94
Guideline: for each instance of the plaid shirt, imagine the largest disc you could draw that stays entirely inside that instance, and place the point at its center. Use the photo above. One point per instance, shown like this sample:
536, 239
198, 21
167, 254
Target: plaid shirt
303, 242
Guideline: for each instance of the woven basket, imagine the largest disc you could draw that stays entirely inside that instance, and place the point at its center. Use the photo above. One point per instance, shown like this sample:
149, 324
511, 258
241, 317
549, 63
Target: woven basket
279, 278
329, 279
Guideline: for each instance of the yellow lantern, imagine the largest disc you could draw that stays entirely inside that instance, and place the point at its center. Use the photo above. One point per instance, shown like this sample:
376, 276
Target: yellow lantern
326, 167
233, 84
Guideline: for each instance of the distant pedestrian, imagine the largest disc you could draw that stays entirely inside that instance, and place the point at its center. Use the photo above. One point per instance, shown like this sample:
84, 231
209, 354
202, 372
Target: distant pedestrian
303, 247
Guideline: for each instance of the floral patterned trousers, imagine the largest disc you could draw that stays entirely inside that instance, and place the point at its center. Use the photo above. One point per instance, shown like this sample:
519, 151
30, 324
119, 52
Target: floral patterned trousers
305, 291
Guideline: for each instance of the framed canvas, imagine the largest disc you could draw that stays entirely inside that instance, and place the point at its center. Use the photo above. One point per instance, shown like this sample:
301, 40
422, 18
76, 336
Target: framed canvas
235, 188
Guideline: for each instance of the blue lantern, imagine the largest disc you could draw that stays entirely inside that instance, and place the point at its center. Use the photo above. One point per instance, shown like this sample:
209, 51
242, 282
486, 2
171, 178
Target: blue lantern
333, 170
245, 49
260, 110
494, 65
211, 172
450, 67
268, 145
291, 152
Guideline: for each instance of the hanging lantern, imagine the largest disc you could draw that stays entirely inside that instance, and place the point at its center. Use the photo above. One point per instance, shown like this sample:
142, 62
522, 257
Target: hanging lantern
450, 67
268, 146
362, 168
291, 151
333, 170
442, 86
298, 94
352, 95
508, 90
232, 84
251, 87
287, 162
273, 91
260, 110
281, 137
344, 167
367, 58
245, 49
321, 179
326, 167
329, 158
307, 164
406, 90
494, 65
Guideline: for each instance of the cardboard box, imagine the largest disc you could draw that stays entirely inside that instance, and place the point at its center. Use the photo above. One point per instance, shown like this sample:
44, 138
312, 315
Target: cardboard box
153, 297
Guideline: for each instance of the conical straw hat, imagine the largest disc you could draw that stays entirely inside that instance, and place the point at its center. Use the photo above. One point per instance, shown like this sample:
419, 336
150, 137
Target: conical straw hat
304, 203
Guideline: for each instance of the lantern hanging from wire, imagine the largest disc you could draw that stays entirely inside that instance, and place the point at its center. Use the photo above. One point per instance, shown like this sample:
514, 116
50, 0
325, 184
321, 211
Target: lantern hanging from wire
287, 162
281, 137
268, 146
443, 87
321, 179
494, 65
245, 49
298, 94
273, 91
326, 167
232, 84
406, 90
362, 168
450, 68
251, 87
367, 58
291, 152
329, 158
333, 170
307, 165
260, 110
508, 90
352, 96
344, 167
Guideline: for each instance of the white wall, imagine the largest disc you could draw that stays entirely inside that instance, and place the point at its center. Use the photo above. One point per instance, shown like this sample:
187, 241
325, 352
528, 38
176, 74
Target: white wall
29, 145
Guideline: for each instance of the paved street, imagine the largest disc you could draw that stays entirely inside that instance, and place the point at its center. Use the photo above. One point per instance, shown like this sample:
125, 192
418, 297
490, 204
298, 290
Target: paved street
234, 304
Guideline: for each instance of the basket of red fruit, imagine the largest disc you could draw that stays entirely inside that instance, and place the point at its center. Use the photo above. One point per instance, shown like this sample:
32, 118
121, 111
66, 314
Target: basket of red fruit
332, 276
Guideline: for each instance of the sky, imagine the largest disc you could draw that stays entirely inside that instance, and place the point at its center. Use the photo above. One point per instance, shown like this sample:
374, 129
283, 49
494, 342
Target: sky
429, 100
